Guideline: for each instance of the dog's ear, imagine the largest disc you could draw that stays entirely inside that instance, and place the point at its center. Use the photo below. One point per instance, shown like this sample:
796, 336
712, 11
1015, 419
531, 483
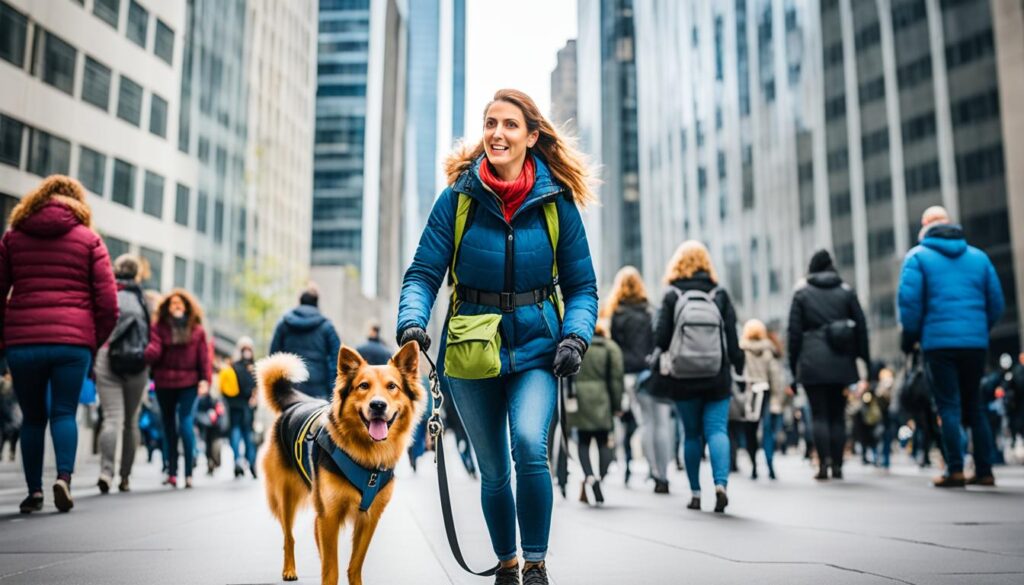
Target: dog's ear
407, 360
349, 362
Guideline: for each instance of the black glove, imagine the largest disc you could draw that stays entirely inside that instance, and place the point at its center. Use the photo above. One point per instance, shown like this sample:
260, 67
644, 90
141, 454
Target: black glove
416, 334
907, 342
569, 356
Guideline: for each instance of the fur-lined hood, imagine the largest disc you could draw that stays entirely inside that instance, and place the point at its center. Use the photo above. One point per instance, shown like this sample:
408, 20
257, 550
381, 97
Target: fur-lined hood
55, 191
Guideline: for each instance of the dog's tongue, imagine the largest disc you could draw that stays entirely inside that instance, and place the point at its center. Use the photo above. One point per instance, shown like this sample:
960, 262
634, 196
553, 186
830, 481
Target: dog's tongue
378, 429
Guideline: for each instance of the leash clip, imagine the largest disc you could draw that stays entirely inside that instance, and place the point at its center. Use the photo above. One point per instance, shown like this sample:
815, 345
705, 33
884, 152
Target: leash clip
435, 427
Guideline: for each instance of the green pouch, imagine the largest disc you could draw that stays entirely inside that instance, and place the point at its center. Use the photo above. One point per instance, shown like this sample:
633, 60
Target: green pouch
474, 347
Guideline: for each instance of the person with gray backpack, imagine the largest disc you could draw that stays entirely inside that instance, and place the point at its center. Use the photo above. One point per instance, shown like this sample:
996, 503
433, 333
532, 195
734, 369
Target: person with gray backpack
696, 349
122, 375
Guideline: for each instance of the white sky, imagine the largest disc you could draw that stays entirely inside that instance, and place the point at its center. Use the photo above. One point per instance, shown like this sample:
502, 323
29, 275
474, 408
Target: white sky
513, 44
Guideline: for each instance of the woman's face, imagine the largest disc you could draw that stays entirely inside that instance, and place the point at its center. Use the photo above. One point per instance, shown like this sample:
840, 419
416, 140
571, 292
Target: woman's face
176, 307
506, 136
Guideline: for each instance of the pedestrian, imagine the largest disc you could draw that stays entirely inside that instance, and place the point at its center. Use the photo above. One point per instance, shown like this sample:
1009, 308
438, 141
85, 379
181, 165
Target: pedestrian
10, 415
632, 328
310, 335
179, 356
58, 303
1014, 400
697, 338
599, 388
764, 377
510, 228
949, 299
122, 376
374, 350
827, 333
237, 381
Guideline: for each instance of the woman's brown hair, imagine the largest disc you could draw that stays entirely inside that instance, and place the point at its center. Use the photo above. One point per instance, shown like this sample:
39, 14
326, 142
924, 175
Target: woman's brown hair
567, 164
192, 308
53, 188
628, 287
690, 258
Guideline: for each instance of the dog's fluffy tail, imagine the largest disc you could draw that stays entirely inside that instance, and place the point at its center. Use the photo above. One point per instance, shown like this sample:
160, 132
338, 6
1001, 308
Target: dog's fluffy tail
276, 375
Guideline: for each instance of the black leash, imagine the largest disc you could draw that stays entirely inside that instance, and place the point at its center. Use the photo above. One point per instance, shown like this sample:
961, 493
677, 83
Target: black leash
436, 429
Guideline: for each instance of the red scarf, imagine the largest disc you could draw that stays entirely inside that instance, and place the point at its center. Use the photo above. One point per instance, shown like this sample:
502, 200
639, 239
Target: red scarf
512, 193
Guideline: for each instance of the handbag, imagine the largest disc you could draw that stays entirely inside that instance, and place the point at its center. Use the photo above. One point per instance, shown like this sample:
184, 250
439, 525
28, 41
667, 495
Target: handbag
753, 401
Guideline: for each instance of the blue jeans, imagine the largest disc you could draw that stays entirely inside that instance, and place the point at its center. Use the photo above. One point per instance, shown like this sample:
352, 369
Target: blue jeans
178, 411
240, 418
62, 368
772, 424
523, 404
954, 376
705, 421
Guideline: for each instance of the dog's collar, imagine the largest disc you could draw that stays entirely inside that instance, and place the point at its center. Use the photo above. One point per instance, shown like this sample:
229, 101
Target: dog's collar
368, 481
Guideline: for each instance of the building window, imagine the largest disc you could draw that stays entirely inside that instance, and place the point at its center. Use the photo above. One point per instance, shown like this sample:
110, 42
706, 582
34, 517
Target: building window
13, 34
96, 84
719, 41
868, 37
11, 132
980, 165
218, 221
341, 90
915, 73
115, 247
721, 164
138, 24
129, 101
872, 90
976, 108
157, 115
881, 244
181, 201
922, 177
833, 54
180, 271
920, 127
123, 191
55, 61
835, 107
155, 258
202, 209
153, 195
218, 281
163, 43
199, 279
107, 11
845, 255
91, 169
875, 143
841, 204
47, 154
877, 192
838, 160
970, 49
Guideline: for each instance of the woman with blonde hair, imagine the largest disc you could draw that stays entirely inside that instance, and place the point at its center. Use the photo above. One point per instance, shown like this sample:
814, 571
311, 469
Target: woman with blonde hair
508, 231
696, 334
762, 374
179, 356
58, 304
633, 330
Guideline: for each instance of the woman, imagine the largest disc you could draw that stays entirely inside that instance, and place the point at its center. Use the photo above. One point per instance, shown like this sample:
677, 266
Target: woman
827, 333
237, 381
762, 373
598, 395
122, 376
180, 360
58, 303
700, 389
506, 335
633, 330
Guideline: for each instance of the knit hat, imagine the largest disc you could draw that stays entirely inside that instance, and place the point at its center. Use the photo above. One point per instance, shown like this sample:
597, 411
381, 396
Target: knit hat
820, 262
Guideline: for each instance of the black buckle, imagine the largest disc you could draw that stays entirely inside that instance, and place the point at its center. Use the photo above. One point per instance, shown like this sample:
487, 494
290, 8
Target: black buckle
507, 300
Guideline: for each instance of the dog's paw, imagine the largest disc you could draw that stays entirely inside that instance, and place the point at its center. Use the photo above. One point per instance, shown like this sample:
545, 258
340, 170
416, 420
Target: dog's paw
290, 576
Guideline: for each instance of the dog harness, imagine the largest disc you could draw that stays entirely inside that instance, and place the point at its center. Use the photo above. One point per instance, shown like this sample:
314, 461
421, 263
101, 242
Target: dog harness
307, 438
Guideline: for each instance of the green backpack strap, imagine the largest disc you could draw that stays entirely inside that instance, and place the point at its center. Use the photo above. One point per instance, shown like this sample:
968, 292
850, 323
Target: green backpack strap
551, 219
462, 212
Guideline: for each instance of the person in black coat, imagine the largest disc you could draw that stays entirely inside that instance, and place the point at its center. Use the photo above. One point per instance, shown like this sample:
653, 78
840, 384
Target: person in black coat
827, 333
308, 334
373, 350
702, 403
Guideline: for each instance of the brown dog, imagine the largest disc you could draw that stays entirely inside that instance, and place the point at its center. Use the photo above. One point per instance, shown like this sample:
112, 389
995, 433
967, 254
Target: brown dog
368, 423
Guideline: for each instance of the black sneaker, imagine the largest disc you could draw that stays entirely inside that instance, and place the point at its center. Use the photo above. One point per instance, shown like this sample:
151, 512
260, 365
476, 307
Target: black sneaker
660, 487
104, 484
598, 496
721, 501
694, 503
507, 575
535, 575
837, 472
32, 503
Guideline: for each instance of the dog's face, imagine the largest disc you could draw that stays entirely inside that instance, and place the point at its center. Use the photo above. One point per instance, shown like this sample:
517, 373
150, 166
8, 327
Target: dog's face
379, 404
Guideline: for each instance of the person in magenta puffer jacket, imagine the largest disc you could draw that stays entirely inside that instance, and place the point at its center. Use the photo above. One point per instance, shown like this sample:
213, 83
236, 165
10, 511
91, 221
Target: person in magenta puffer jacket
181, 370
58, 303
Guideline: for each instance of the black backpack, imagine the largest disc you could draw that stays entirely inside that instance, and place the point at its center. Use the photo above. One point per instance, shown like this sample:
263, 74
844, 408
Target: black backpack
131, 335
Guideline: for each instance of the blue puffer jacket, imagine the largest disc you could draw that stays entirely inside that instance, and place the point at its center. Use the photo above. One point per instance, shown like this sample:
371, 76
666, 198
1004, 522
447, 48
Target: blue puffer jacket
949, 294
308, 334
530, 334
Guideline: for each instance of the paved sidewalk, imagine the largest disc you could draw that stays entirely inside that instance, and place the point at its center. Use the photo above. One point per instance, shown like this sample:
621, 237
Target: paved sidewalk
872, 528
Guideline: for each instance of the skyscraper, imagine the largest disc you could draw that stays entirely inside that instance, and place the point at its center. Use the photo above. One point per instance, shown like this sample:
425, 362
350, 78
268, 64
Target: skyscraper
563, 87
607, 122
769, 128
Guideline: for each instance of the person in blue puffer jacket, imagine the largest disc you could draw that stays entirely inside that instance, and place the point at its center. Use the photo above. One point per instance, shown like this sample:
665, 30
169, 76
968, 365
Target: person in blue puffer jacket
949, 299
505, 305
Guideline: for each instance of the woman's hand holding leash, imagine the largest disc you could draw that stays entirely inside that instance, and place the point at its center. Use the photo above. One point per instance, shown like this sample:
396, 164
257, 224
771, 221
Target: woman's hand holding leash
569, 356
417, 334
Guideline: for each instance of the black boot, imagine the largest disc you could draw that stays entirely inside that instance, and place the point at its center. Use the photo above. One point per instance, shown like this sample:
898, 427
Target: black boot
837, 472
822, 473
